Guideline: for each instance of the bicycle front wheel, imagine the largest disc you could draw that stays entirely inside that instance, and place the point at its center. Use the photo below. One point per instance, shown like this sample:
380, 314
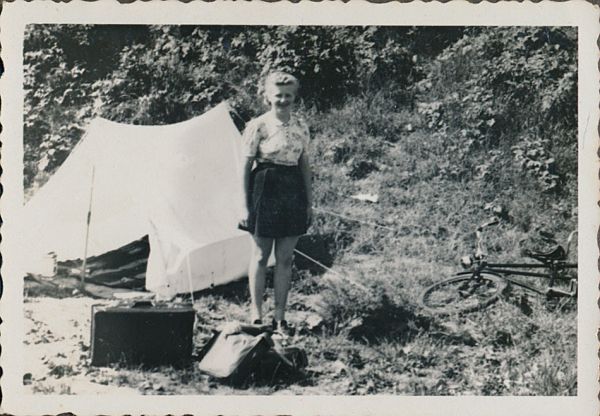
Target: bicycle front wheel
462, 293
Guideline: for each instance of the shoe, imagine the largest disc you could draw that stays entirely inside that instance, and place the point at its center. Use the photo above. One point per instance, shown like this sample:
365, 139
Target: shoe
282, 328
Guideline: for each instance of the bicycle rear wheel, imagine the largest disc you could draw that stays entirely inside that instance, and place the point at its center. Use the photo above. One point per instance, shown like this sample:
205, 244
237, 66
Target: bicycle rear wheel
462, 293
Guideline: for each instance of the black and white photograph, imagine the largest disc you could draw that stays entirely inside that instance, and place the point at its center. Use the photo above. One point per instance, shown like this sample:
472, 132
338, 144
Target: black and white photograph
223, 208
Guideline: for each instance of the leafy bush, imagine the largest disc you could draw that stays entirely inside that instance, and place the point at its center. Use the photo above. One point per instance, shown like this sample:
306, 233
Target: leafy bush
512, 79
531, 154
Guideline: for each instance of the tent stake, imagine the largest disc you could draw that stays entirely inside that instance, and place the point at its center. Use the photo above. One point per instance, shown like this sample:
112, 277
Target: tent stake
87, 230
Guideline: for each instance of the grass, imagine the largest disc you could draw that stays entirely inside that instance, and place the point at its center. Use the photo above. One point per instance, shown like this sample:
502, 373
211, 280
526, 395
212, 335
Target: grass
433, 203
373, 339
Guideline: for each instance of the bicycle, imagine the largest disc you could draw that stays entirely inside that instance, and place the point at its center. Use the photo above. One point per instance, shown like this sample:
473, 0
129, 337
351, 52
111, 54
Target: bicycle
482, 283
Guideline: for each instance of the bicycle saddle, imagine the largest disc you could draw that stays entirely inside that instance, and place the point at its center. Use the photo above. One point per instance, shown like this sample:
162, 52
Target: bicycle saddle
554, 253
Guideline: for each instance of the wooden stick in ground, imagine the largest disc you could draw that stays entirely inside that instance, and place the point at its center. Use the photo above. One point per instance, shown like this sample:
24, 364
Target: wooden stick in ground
87, 231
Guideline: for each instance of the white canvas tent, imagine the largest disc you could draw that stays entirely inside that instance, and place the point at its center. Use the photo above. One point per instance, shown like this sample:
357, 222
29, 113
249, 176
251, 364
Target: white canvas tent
176, 183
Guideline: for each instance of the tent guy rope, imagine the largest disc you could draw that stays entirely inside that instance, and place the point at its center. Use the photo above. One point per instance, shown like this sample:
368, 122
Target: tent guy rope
337, 275
318, 263
372, 224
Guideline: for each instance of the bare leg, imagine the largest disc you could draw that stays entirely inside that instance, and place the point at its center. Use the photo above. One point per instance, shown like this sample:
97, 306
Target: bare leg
284, 253
256, 274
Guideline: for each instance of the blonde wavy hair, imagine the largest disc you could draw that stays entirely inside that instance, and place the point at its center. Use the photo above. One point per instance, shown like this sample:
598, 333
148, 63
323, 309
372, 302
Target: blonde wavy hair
278, 78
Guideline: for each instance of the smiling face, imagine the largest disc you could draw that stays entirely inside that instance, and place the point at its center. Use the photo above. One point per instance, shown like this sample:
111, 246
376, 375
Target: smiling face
281, 97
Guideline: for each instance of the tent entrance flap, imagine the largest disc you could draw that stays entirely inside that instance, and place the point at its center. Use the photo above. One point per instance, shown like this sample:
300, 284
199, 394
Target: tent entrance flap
211, 265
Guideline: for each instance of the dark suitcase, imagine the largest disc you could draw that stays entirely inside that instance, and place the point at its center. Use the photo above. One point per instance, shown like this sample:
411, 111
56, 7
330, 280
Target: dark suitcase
142, 335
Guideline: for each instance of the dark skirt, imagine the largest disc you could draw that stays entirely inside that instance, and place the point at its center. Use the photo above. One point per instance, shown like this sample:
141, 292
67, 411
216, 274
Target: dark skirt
277, 201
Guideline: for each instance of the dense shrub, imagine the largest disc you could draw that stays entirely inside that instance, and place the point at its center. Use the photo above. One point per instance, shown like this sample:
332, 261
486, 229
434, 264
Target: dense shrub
518, 94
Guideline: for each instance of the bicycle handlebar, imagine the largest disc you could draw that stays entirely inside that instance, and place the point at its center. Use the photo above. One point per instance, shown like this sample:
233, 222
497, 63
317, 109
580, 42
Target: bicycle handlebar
480, 252
569, 240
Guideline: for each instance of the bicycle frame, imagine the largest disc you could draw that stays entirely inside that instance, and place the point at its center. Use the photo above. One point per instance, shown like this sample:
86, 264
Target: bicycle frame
518, 269
505, 270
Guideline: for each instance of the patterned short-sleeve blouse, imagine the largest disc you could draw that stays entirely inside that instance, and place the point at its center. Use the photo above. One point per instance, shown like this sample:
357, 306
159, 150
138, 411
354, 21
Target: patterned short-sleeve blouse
269, 140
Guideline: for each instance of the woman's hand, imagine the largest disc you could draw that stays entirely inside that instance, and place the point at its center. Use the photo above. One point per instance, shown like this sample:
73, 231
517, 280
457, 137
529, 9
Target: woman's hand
244, 218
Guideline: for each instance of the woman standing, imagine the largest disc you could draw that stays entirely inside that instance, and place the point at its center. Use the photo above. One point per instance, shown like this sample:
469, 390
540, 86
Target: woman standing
277, 192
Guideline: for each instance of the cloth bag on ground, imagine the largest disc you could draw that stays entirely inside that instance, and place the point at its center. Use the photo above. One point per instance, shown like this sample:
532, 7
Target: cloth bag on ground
238, 353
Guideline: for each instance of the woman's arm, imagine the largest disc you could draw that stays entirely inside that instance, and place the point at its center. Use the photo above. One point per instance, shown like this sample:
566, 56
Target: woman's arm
307, 177
246, 168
